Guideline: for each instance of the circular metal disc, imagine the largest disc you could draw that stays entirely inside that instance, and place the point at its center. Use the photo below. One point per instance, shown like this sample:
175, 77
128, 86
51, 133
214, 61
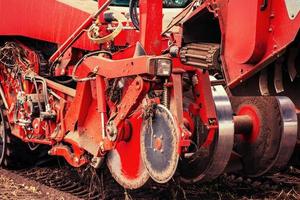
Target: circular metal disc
159, 145
208, 163
275, 124
289, 133
125, 163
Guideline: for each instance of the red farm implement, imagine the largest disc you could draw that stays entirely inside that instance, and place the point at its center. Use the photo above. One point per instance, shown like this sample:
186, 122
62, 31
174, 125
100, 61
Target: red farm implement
215, 89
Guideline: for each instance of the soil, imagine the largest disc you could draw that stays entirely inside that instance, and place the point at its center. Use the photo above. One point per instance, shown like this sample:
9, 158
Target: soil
285, 186
15, 187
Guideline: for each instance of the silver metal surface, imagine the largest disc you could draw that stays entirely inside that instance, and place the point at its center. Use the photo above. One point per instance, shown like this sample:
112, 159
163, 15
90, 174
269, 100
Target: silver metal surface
288, 138
278, 82
293, 8
225, 137
225, 134
289, 132
263, 83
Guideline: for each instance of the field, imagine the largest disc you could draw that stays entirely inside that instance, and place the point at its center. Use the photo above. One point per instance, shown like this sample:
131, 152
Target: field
54, 183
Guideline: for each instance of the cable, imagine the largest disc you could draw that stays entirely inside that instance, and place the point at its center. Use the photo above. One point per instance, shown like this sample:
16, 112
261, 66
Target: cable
81, 60
133, 4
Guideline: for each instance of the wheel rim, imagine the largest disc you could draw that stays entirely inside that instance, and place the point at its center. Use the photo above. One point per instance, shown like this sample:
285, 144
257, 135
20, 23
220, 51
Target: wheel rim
210, 164
2, 137
290, 131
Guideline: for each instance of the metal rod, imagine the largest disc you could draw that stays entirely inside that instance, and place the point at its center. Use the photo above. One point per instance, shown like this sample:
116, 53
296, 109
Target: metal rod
243, 124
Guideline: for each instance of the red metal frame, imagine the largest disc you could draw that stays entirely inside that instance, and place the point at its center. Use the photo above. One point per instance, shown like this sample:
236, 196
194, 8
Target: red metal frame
263, 32
50, 21
84, 114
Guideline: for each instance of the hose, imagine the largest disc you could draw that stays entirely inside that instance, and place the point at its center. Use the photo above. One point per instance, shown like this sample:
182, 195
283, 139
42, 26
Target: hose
81, 60
133, 4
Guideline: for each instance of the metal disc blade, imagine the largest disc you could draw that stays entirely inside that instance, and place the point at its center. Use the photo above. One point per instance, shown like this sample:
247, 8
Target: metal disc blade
159, 145
125, 163
208, 163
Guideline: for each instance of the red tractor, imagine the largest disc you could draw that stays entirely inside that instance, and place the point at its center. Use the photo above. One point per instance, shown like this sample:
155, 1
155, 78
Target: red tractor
216, 89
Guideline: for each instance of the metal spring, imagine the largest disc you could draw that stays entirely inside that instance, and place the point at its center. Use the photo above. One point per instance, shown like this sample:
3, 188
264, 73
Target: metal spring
165, 96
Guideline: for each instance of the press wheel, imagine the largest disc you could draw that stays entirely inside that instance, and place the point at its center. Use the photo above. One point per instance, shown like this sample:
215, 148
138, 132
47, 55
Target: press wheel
125, 163
270, 144
207, 163
159, 144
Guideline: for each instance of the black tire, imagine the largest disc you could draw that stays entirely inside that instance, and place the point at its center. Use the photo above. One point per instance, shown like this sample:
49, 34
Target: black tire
14, 154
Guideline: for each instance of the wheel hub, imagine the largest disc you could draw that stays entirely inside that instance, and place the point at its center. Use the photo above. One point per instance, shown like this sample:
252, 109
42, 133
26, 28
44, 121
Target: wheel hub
158, 144
251, 112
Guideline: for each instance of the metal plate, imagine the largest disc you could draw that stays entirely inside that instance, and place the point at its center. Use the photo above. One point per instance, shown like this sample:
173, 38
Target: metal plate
293, 8
211, 162
159, 145
125, 163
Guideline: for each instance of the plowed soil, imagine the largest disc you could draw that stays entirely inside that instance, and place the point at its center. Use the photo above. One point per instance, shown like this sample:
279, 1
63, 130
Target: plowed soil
15, 187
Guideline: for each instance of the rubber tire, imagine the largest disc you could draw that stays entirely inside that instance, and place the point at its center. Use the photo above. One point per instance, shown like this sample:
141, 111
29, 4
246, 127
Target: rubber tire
14, 154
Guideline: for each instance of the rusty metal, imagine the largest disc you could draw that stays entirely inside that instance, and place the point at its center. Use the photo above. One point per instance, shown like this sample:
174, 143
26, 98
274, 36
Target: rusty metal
243, 124
202, 55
